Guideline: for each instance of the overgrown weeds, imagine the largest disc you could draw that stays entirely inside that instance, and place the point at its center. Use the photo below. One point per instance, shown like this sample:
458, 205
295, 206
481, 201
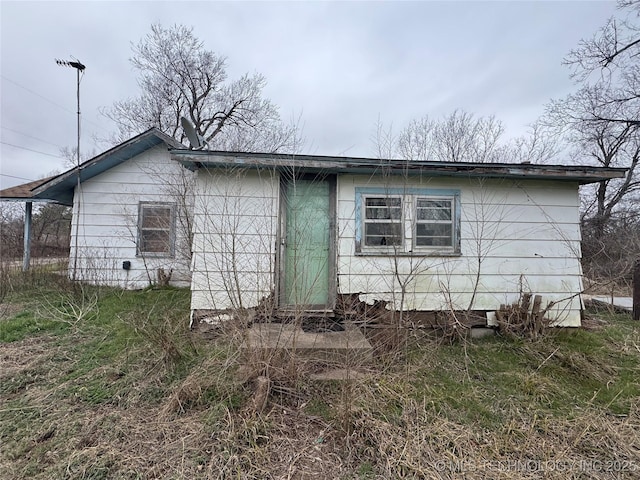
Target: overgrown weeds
130, 392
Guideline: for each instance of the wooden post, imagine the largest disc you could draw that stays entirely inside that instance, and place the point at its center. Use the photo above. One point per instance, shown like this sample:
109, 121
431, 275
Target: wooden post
26, 254
636, 291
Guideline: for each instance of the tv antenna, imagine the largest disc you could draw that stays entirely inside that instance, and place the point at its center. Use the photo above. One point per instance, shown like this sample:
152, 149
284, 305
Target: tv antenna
79, 67
195, 139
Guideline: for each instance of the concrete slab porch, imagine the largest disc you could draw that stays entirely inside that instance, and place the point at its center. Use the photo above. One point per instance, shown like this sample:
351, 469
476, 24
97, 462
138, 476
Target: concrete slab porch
348, 347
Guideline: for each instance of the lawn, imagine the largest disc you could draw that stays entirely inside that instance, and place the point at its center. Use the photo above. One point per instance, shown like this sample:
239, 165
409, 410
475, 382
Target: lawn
99, 383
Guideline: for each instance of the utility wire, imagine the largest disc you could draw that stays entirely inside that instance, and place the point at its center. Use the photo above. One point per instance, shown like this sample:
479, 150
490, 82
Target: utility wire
32, 150
30, 136
51, 101
38, 95
13, 176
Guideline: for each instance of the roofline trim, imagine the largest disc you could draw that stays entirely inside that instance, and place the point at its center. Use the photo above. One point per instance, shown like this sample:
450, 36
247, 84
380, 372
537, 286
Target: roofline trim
153, 131
584, 174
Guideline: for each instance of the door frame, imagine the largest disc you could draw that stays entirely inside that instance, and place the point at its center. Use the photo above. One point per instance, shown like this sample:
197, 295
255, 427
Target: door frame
286, 179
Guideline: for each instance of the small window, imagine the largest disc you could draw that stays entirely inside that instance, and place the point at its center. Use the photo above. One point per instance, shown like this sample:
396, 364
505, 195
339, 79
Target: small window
383, 221
156, 229
434, 222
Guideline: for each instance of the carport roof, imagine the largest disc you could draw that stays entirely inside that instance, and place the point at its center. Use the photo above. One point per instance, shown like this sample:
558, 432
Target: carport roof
21, 193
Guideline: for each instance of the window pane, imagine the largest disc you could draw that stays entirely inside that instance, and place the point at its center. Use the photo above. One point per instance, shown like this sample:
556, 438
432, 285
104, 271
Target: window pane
433, 242
381, 208
381, 234
156, 217
434, 235
383, 201
155, 241
433, 209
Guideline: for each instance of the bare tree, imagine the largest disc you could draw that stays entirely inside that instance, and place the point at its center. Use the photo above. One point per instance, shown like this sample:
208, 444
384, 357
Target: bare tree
600, 121
417, 140
608, 62
11, 230
179, 77
459, 137
70, 156
539, 145
463, 137
51, 230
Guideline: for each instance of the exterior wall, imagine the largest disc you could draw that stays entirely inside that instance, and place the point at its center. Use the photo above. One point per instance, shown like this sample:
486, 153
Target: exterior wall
107, 209
514, 236
234, 244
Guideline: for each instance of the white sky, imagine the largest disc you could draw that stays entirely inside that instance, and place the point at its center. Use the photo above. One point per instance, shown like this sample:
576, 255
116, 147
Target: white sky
340, 65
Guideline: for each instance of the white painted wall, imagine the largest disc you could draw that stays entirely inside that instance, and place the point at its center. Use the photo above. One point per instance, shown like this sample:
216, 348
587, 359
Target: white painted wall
525, 233
234, 245
106, 209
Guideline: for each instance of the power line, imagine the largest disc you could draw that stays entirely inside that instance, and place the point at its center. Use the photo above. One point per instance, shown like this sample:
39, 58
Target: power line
13, 176
32, 150
50, 101
30, 136
38, 95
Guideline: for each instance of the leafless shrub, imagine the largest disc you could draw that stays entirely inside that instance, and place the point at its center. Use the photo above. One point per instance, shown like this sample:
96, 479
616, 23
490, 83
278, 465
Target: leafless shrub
5, 280
452, 327
169, 335
71, 307
608, 258
214, 374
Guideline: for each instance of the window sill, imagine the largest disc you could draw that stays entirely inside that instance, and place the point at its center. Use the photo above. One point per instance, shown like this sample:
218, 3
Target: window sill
421, 253
154, 255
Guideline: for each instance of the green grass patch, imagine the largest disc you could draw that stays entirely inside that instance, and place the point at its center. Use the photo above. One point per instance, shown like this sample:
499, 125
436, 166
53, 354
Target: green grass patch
117, 386
26, 324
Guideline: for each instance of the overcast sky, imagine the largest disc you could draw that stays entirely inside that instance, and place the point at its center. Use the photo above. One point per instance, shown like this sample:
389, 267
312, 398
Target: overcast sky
338, 65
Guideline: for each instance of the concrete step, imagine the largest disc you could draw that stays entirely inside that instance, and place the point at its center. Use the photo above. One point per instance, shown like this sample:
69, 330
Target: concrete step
340, 374
348, 347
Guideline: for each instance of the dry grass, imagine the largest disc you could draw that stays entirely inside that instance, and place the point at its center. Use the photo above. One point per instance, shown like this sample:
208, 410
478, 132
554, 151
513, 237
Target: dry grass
421, 445
106, 401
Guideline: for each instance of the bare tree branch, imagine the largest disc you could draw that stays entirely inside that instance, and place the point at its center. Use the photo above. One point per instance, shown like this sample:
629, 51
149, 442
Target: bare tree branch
178, 77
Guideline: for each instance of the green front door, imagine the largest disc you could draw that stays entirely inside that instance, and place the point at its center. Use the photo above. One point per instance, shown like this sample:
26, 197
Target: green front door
307, 243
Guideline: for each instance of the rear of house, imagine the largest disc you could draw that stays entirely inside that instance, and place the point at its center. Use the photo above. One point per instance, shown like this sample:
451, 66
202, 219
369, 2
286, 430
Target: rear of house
298, 233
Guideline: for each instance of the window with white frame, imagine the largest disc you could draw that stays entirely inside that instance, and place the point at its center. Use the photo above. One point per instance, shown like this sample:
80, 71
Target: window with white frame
156, 229
407, 221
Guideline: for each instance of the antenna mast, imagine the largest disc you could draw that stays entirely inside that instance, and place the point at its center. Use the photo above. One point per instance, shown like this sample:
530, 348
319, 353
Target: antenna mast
79, 68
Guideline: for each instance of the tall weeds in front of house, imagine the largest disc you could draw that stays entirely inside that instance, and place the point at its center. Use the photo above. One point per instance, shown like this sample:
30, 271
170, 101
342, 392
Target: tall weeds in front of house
130, 391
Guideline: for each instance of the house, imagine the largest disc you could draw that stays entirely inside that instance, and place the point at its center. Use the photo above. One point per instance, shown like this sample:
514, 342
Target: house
300, 233
131, 209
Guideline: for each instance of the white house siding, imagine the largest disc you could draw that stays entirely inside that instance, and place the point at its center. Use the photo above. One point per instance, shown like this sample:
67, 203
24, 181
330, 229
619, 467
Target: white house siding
525, 233
234, 244
107, 210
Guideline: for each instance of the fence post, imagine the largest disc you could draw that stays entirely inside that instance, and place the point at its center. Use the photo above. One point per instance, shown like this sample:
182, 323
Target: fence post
636, 291
26, 255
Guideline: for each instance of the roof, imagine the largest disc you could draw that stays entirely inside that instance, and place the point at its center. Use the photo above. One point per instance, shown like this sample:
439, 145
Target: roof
60, 188
194, 159
22, 192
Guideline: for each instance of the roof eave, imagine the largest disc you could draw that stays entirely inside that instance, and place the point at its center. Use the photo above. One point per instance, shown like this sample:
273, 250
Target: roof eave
60, 188
581, 174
